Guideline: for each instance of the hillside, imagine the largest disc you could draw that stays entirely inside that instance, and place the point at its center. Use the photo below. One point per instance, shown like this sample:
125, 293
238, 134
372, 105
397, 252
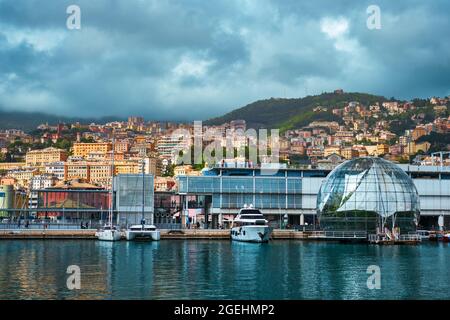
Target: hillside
28, 121
292, 113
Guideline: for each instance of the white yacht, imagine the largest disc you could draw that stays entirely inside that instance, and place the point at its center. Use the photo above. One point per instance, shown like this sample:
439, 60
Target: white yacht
142, 232
250, 226
108, 233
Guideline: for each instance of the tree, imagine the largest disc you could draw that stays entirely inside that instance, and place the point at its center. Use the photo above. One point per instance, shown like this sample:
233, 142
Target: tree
87, 140
169, 171
63, 144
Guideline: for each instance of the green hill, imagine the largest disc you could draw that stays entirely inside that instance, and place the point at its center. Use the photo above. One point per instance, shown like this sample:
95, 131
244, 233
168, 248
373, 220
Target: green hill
28, 121
293, 113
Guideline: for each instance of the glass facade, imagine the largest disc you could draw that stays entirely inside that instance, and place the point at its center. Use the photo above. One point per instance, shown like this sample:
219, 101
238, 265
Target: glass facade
232, 192
73, 199
366, 193
72, 205
130, 191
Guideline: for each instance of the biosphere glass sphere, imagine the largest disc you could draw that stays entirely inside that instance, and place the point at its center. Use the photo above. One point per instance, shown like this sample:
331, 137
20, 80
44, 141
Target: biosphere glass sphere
365, 193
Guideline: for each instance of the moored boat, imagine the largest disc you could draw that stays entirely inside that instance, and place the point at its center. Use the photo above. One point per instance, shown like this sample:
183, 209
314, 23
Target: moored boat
142, 232
446, 237
108, 233
250, 226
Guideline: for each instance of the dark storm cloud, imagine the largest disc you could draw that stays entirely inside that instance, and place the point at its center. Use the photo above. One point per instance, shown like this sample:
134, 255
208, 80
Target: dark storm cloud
196, 59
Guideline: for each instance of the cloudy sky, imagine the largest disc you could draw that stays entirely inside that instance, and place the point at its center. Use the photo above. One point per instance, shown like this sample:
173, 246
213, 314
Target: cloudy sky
193, 59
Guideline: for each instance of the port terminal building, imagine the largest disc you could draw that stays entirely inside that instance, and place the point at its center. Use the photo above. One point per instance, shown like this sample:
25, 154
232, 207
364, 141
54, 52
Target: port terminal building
289, 196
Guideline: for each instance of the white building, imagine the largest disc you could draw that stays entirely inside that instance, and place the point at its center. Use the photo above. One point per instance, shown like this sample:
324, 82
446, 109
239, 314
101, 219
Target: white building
42, 181
56, 169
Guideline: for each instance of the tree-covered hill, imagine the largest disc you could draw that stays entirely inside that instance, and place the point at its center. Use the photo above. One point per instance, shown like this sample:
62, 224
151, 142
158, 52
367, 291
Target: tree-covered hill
28, 121
293, 113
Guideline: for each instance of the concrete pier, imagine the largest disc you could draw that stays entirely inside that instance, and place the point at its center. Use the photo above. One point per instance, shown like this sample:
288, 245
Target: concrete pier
165, 234
194, 234
48, 234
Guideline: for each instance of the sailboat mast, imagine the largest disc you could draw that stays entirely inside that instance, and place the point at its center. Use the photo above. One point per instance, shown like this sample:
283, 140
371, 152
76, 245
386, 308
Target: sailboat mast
143, 192
111, 192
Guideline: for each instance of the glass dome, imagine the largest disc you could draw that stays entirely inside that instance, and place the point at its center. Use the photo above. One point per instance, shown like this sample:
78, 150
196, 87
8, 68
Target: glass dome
368, 193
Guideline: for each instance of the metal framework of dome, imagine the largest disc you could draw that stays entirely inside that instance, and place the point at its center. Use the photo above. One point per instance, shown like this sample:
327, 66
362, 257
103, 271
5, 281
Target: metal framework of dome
367, 193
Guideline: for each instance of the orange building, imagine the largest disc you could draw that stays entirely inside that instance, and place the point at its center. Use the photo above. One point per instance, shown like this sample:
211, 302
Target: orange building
81, 149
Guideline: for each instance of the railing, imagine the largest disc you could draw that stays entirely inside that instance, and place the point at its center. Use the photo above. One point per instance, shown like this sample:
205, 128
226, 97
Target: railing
169, 226
309, 227
339, 234
403, 237
346, 234
410, 237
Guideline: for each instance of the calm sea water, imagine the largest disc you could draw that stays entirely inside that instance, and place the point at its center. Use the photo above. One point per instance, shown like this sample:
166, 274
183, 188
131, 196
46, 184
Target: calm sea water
221, 270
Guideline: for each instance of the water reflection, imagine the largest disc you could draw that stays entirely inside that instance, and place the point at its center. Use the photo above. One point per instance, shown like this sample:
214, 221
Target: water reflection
220, 270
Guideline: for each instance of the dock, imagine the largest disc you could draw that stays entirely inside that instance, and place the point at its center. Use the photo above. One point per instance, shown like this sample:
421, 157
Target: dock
212, 234
48, 234
181, 234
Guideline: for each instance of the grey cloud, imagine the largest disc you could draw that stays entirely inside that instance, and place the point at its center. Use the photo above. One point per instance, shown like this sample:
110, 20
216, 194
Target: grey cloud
127, 56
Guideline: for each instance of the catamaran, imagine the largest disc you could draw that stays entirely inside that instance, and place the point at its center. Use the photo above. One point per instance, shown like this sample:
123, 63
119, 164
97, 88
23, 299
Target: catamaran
142, 231
250, 226
109, 232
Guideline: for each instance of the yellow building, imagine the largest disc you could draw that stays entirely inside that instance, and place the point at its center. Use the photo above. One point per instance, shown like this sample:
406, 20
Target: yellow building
122, 146
331, 149
47, 155
362, 152
372, 150
382, 149
349, 153
140, 139
91, 172
83, 149
125, 167
11, 165
23, 176
100, 173
76, 170
185, 170
418, 132
413, 147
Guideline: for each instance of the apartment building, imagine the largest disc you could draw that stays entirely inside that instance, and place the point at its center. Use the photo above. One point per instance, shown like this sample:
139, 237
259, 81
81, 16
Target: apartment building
100, 173
23, 176
349, 153
329, 150
56, 169
11, 165
82, 149
77, 170
169, 146
42, 181
47, 155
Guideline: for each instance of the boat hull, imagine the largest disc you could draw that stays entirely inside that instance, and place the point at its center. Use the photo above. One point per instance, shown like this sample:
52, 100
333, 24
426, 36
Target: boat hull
153, 235
108, 235
251, 233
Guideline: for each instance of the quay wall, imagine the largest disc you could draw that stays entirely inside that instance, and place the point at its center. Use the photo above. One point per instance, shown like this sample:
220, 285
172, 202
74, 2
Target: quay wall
185, 234
47, 234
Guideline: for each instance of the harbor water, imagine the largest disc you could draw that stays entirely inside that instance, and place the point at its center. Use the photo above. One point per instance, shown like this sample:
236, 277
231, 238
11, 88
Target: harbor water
218, 269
